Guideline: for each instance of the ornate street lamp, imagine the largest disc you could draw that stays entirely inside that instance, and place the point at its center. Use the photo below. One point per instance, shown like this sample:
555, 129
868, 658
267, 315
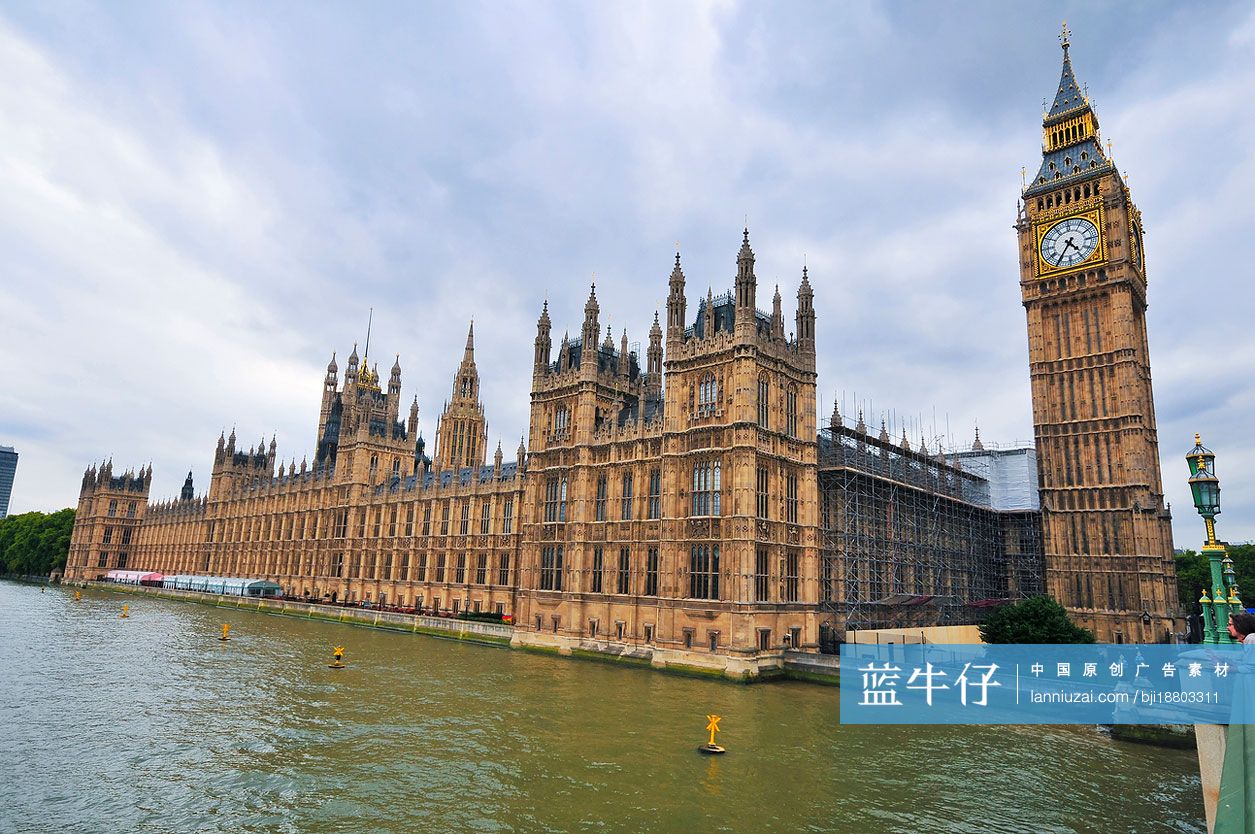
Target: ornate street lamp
1205, 487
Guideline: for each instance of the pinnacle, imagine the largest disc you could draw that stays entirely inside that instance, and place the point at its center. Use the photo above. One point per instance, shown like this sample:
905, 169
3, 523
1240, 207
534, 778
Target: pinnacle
677, 273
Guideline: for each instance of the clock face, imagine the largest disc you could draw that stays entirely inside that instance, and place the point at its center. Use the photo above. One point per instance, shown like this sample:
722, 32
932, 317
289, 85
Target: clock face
1069, 242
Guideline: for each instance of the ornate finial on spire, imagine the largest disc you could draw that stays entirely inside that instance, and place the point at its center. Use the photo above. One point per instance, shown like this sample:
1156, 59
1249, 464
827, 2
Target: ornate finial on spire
1065, 37
836, 421
746, 255
677, 272
977, 446
884, 433
861, 427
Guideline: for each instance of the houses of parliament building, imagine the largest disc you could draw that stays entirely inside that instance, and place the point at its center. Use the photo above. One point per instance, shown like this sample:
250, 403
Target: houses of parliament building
689, 503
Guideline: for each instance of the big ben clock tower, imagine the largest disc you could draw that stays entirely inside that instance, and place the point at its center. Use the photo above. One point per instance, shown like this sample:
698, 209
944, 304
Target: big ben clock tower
1107, 532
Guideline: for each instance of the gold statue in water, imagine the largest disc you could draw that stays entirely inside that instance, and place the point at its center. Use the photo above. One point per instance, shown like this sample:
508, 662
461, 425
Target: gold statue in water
226, 632
337, 654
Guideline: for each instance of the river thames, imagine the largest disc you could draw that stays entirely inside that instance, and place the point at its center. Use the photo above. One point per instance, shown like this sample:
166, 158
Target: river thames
151, 724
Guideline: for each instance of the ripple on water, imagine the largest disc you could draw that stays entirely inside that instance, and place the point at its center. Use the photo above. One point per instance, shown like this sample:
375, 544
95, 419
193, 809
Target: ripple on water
151, 724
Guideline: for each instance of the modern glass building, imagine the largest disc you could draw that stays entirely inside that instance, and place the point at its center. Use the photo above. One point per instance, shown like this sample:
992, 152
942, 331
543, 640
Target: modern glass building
8, 467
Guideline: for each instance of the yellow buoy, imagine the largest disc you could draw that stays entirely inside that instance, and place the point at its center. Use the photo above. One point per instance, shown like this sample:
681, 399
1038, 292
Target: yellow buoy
712, 724
125, 611
226, 632
337, 655
78, 596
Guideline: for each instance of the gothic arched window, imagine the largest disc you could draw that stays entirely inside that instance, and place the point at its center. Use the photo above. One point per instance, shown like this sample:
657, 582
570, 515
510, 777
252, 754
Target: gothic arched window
707, 486
790, 411
707, 394
764, 401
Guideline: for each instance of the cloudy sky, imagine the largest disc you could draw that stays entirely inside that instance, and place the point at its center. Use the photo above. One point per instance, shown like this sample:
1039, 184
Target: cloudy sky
199, 203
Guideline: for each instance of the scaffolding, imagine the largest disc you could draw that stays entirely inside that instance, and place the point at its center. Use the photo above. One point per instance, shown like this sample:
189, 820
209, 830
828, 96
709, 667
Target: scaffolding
911, 539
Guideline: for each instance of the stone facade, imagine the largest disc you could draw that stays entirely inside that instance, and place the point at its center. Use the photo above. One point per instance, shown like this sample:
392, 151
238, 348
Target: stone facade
668, 508
1107, 530
686, 521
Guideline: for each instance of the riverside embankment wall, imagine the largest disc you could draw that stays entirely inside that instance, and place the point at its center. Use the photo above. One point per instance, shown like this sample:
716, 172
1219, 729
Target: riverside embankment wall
788, 665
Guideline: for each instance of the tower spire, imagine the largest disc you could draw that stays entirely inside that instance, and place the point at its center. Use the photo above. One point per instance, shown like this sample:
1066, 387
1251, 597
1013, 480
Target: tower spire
1071, 145
746, 282
676, 303
591, 330
544, 343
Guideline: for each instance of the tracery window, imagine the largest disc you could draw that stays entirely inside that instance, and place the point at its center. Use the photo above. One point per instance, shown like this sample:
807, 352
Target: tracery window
764, 402
706, 488
704, 571
707, 395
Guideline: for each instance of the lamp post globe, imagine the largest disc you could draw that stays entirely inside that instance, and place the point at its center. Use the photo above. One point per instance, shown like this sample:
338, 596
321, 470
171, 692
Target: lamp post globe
1205, 489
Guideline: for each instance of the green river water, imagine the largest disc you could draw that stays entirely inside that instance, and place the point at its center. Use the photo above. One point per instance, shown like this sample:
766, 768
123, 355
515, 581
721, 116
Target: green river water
151, 724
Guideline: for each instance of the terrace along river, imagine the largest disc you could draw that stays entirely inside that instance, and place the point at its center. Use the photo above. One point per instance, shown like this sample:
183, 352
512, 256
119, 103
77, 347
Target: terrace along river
151, 724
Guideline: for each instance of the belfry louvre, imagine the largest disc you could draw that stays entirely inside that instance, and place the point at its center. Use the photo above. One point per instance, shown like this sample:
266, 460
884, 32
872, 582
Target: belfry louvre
684, 506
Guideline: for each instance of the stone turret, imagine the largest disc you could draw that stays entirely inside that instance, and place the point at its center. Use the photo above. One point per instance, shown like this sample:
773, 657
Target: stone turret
590, 331
746, 290
806, 317
676, 304
544, 343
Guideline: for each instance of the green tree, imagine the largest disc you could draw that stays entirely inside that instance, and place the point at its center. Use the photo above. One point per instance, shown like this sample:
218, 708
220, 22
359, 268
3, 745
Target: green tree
1033, 620
35, 543
1194, 574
